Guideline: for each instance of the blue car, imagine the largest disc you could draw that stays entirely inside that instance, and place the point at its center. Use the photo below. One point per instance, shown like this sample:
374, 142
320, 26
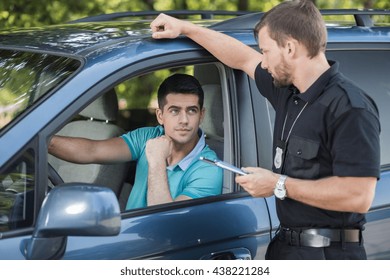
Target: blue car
97, 78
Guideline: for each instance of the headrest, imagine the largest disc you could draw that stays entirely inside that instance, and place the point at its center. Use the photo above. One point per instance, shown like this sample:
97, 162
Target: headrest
207, 74
212, 123
104, 108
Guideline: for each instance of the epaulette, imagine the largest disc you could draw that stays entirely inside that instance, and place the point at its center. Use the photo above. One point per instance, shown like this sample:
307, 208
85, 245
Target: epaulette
356, 96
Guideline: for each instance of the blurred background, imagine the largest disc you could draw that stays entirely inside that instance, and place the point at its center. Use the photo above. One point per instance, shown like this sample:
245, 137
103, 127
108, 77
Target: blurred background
28, 13
33, 13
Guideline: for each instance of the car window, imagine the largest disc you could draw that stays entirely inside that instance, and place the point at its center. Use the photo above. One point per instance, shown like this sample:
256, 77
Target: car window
369, 69
17, 193
137, 101
24, 77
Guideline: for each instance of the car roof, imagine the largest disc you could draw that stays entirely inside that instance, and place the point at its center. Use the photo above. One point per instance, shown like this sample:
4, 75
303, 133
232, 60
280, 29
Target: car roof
85, 35
74, 38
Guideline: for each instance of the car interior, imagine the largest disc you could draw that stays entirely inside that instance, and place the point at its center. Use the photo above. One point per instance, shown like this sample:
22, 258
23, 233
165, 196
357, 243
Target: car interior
97, 122
104, 117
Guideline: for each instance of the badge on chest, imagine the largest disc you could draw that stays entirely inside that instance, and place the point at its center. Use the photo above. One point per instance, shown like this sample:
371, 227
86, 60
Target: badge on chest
279, 154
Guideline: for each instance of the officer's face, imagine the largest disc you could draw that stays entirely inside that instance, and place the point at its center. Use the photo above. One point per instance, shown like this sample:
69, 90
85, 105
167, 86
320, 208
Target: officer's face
274, 60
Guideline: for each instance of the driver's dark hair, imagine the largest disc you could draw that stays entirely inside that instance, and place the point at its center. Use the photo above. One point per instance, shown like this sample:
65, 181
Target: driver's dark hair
179, 83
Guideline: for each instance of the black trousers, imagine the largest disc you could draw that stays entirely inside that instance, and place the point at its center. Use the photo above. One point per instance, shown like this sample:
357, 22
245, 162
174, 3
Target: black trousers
279, 249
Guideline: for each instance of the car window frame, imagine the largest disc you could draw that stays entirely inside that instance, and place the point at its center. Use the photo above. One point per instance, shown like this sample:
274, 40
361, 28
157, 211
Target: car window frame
132, 70
33, 146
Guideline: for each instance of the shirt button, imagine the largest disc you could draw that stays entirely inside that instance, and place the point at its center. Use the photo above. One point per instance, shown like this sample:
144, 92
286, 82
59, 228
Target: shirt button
299, 152
296, 102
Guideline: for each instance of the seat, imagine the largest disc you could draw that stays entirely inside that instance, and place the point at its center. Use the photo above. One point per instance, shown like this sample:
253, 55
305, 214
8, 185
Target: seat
95, 125
212, 124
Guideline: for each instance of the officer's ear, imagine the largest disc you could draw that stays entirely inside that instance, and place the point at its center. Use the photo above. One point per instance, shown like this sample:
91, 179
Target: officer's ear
290, 48
294, 49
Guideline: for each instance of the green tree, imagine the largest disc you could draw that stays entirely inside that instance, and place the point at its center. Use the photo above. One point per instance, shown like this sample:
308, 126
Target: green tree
27, 13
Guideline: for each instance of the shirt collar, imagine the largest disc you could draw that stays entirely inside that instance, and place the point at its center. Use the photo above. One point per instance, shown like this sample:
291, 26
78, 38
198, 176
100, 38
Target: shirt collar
315, 90
186, 161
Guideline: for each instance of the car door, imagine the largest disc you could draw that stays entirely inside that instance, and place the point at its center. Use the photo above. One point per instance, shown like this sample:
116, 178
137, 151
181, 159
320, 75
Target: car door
229, 226
232, 225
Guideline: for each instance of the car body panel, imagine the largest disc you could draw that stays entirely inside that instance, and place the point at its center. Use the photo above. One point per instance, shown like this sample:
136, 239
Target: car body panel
378, 221
192, 230
189, 232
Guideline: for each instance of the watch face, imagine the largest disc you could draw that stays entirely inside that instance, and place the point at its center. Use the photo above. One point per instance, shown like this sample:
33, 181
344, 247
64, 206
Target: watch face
280, 192
280, 189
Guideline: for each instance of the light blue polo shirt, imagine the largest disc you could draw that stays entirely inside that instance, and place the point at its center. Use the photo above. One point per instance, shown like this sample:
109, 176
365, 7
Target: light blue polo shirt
191, 176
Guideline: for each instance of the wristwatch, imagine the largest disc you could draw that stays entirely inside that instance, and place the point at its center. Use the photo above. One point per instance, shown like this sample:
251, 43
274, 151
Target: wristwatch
280, 188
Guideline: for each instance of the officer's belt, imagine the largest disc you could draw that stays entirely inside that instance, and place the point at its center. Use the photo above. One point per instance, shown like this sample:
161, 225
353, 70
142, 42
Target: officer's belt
318, 237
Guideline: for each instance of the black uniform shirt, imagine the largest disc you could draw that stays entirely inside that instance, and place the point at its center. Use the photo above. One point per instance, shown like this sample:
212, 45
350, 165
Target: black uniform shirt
336, 133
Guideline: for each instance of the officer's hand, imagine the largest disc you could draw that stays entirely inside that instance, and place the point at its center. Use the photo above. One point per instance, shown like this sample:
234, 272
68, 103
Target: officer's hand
259, 182
165, 26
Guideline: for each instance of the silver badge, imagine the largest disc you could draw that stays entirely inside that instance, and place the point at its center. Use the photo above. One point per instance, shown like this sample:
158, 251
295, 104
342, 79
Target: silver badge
278, 157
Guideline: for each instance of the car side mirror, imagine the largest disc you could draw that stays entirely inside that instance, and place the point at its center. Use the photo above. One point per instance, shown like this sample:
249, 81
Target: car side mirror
72, 210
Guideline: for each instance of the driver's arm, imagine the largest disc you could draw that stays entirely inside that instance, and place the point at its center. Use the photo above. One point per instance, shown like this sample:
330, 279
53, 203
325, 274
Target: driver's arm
83, 150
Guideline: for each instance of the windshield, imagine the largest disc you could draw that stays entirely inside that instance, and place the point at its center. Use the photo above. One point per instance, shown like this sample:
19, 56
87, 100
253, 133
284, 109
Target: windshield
25, 77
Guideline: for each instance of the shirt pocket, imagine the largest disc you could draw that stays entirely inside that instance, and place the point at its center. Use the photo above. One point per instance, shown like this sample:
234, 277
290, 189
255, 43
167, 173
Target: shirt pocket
302, 158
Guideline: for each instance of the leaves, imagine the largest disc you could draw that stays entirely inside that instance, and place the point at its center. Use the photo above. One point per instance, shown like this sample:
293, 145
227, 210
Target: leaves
27, 13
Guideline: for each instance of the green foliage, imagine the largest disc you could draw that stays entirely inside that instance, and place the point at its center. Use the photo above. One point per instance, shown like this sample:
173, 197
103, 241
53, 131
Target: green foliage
28, 13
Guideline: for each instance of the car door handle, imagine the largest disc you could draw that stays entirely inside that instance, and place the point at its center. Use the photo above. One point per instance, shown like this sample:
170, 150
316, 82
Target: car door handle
231, 254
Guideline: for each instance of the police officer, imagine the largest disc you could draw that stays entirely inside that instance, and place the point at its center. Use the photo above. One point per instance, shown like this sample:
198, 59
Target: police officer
326, 136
